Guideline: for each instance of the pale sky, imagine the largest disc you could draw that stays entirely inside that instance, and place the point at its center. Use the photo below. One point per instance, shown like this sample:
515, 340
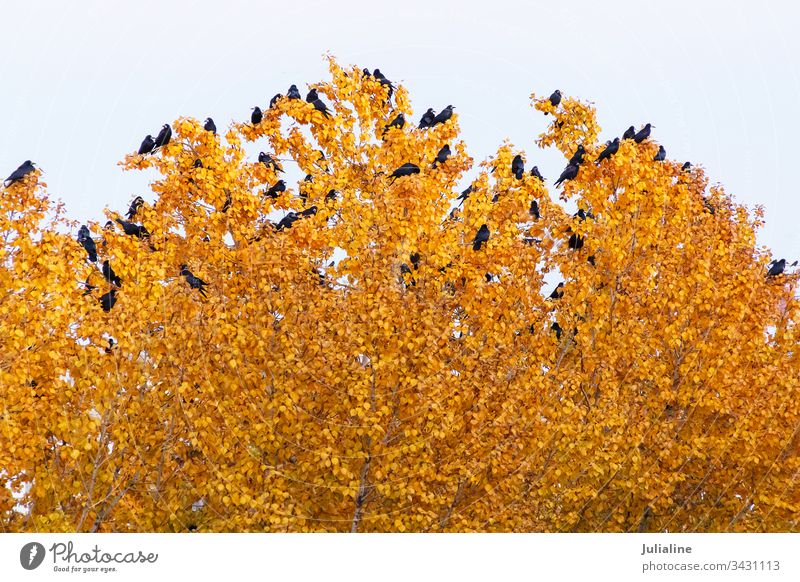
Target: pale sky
83, 83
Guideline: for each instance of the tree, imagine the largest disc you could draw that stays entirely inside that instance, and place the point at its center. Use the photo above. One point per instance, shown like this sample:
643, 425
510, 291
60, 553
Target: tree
357, 362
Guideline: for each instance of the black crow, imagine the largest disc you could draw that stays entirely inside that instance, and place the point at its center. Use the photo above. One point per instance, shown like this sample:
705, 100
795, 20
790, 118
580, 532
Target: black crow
194, 282
274, 191
132, 229
308, 212
777, 267
481, 237
331, 195
629, 133
210, 126
427, 119
558, 292
147, 145
686, 166
107, 300
535, 173
534, 209
85, 240
312, 96
611, 148
442, 156
269, 162
274, 100
642, 134
398, 123
577, 157
518, 167
293, 93
134, 207
256, 116
661, 155
557, 329
569, 173
575, 241
555, 98
443, 115
18, 174
287, 221
110, 275
465, 194
404, 170
321, 107
163, 136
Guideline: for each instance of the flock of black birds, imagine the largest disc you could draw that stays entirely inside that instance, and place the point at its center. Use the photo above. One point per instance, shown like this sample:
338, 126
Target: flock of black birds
428, 120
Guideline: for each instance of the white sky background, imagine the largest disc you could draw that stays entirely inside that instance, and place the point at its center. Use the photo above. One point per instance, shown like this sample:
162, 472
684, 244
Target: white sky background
83, 83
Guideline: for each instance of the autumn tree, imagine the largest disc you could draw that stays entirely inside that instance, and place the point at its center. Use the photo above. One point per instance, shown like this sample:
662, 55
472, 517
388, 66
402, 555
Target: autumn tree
360, 359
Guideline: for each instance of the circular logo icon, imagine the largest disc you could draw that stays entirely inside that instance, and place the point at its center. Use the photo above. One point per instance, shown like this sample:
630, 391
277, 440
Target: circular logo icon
31, 555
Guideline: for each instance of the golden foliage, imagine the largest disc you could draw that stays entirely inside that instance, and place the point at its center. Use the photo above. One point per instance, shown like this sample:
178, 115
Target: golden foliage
331, 382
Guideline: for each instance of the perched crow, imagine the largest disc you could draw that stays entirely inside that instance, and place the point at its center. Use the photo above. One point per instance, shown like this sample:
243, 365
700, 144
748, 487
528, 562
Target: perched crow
194, 282
686, 166
777, 267
442, 156
583, 214
110, 275
465, 194
569, 173
321, 107
18, 174
163, 136
365, 72
397, 123
331, 195
557, 329
198, 163
558, 292
312, 96
481, 237
643, 134
293, 93
575, 241
134, 207
611, 149
443, 115
256, 116
661, 155
404, 170
85, 240
534, 209
414, 258
210, 126
383, 81
274, 191
287, 221
535, 173
132, 229
577, 157
308, 212
274, 100
555, 98
269, 162
427, 119
147, 145
518, 167
629, 133
107, 300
